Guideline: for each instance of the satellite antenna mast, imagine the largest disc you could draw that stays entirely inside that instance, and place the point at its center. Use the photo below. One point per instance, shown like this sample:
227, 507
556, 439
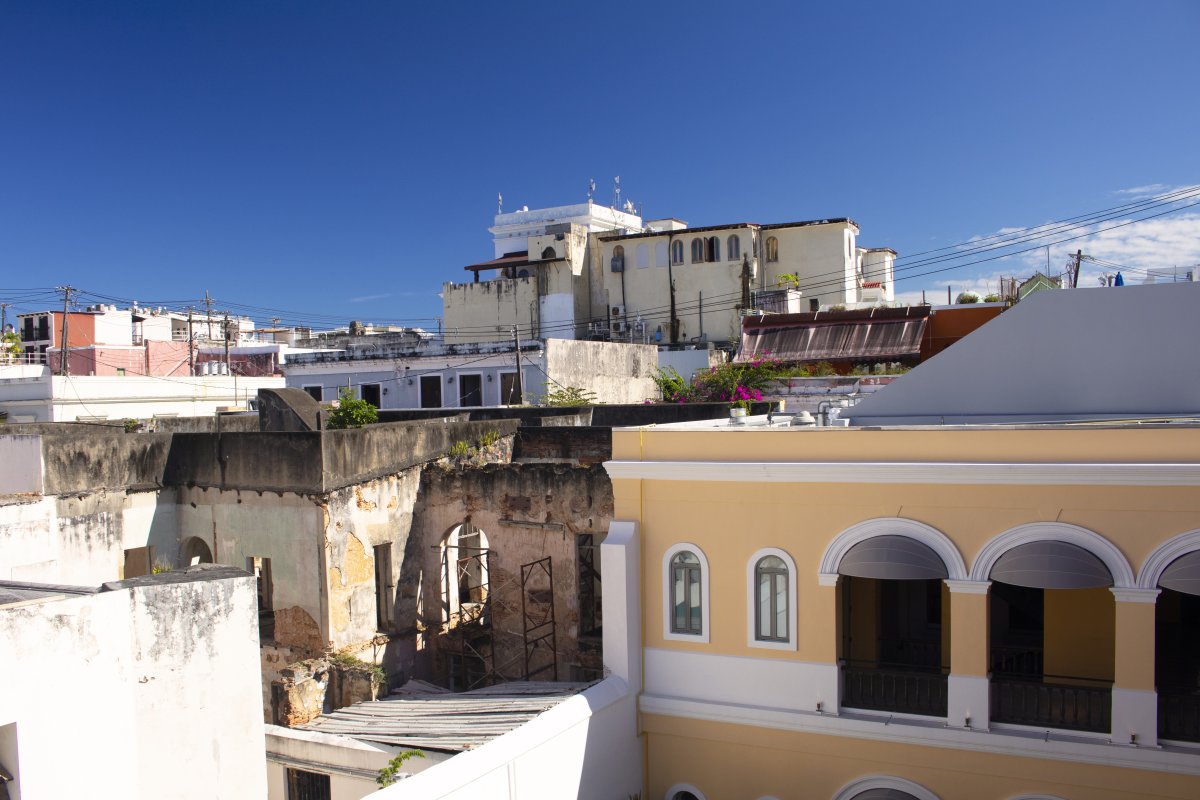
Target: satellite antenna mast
591, 188
617, 192
499, 203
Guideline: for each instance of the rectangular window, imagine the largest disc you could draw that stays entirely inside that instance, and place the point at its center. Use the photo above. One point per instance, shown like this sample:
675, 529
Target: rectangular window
470, 390
120, 372
685, 595
372, 393
139, 561
27, 329
302, 785
510, 389
315, 392
383, 587
431, 391
261, 568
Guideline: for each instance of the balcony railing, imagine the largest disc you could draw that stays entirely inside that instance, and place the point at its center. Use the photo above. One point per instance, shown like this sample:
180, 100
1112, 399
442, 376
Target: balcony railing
904, 690
1179, 713
1073, 706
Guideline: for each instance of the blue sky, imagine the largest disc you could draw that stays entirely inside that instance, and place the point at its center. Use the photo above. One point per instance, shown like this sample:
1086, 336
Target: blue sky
342, 160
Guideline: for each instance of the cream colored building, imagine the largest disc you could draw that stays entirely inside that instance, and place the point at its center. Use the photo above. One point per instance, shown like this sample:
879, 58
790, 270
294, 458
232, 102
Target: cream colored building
961, 613
588, 271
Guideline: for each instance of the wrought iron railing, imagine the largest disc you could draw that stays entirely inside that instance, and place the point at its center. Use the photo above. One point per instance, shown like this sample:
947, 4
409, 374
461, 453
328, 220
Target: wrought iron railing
1018, 661
1179, 713
903, 690
1073, 706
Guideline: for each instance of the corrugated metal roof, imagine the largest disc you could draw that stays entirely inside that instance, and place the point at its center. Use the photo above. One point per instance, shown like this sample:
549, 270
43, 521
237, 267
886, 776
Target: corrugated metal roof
835, 339
431, 718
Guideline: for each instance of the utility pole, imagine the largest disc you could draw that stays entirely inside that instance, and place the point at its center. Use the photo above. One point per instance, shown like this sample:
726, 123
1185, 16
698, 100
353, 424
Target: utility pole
191, 346
62, 350
226, 337
746, 284
208, 312
519, 387
1078, 261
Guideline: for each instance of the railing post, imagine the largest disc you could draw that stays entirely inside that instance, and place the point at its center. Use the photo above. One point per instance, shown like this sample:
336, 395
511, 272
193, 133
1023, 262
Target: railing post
1134, 699
967, 704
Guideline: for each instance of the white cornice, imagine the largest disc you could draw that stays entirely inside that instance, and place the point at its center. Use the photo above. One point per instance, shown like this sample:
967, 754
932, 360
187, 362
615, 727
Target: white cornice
937, 472
1058, 745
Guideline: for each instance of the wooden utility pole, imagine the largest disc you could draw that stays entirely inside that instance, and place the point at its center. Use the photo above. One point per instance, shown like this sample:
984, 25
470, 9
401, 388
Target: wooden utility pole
746, 285
62, 350
226, 337
520, 389
208, 313
1078, 261
191, 346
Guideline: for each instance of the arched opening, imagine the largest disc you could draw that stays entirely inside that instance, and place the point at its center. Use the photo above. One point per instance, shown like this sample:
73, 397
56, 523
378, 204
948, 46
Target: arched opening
1051, 638
894, 644
1177, 649
734, 247
617, 262
549, 253
464, 552
194, 550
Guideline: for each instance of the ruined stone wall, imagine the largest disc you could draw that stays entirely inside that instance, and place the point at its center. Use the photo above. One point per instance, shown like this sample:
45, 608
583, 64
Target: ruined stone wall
526, 512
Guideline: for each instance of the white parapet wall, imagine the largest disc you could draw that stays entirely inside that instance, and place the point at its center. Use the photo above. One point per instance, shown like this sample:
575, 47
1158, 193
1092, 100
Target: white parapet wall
69, 398
585, 747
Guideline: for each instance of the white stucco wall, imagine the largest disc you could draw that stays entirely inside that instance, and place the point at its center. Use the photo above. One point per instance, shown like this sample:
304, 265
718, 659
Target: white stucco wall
67, 398
144, 692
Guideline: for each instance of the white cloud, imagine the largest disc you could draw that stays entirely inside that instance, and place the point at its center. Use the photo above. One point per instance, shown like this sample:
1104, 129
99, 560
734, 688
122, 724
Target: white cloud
1148, 190
1167, 246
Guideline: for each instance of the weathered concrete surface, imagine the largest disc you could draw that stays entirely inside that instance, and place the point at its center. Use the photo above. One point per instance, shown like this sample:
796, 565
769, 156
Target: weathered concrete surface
169, 667
584, 446
288, 411
621, 373
74, 464
309, 688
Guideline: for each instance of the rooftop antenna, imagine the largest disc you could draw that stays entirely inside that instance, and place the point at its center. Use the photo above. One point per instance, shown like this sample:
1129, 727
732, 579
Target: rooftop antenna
591, 188
628, 206
499, 203
616, 192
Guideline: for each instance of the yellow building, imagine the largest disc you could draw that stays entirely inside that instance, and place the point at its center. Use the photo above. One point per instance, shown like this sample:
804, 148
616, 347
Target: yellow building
983, 613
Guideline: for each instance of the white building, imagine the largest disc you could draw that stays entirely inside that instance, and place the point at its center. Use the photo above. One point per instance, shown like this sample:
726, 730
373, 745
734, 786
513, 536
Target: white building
30, 393
588, 271
142, 689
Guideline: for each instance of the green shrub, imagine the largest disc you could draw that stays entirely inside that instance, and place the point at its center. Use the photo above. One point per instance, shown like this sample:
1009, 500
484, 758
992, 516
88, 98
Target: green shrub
822, 369
966, 298
569, 397
387, 775
459, 449
350, 413
488, 438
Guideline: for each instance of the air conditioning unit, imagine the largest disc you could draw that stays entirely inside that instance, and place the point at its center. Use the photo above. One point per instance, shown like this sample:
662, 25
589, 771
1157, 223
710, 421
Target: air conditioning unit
618, 311
619, 327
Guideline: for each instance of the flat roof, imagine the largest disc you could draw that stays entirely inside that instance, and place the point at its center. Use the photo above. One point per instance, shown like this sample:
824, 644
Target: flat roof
707, 228
422, 715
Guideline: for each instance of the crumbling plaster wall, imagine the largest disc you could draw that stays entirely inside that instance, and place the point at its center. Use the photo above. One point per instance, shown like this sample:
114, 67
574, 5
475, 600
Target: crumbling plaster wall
527, 512
357, 519
80, 538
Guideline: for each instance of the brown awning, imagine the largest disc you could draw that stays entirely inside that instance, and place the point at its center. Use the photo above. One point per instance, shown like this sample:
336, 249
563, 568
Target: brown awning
832, 338
507, 260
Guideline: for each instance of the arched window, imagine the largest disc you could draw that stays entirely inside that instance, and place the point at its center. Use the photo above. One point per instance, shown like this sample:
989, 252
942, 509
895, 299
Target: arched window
687, 616
548, 253
771, 600
712, 249
677, 252
697, 251
643, 256
618, 259
772, 249
685, 594
734, 247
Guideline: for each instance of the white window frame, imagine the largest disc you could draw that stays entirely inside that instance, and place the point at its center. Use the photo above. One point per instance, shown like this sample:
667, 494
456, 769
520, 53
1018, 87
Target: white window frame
668, 612
421, 394
752, 600
683, 787
458, 376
